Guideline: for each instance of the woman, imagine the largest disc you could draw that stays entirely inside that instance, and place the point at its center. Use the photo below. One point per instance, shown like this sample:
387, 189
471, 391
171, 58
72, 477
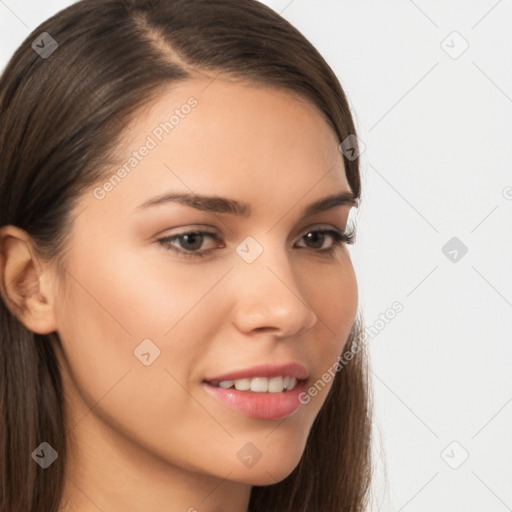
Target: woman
176, 287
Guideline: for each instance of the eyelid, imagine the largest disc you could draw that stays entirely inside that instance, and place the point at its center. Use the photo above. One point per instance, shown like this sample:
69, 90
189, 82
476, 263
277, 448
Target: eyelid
214, 232
320, 225
183, 230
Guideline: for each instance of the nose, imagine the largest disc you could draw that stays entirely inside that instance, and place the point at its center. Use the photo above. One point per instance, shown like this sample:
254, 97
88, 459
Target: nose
269, 296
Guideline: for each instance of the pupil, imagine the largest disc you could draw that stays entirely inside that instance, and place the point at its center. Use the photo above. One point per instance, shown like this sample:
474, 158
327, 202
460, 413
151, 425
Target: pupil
193, 240
316, 238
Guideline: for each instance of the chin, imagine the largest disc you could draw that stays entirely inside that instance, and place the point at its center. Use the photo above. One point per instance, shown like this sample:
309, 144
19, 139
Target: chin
266, 472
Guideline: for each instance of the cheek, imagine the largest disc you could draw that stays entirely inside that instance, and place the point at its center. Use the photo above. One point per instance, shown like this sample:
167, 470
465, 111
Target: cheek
113, 305
119, 299
333, 295
141, 293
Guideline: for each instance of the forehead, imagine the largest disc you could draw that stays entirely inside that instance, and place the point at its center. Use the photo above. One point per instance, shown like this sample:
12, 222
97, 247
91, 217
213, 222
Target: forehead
232, 138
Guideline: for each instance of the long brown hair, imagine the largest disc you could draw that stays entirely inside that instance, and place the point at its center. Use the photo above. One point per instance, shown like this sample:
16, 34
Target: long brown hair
61, 115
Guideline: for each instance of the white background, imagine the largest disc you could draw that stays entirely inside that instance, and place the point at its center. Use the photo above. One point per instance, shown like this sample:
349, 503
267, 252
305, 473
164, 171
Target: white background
437, 128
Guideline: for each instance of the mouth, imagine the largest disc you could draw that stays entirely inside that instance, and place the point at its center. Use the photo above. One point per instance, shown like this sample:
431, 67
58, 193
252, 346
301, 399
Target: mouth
257, 398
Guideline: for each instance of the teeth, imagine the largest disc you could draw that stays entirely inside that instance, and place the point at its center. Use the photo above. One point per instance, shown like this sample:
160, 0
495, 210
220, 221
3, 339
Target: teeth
243, 384
226, 384
261, 384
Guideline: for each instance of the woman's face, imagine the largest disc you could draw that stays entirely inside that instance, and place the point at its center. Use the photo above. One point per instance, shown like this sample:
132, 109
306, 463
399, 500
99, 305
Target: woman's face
142, 326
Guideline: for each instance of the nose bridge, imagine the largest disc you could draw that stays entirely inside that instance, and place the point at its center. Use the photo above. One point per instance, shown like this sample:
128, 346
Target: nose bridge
268, 294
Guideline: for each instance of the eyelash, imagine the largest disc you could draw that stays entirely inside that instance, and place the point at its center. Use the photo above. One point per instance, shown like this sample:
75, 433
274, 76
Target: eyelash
337, 237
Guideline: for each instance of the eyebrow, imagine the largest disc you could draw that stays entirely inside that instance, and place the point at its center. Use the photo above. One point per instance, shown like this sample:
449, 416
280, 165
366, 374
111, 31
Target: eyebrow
218, 204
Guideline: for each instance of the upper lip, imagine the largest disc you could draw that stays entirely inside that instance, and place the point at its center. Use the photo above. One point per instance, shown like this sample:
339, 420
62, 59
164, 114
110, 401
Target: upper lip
297, 370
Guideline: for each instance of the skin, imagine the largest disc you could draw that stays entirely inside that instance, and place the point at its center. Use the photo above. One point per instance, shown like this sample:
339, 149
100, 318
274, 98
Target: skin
149, 437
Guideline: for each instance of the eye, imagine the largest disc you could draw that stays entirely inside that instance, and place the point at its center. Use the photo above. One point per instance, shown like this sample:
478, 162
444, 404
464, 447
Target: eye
316, 239
189, 243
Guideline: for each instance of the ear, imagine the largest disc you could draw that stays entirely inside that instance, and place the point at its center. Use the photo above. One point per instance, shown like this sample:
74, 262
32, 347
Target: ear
26, 285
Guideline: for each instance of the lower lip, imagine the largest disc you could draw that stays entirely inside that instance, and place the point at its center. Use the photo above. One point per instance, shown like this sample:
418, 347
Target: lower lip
266, 406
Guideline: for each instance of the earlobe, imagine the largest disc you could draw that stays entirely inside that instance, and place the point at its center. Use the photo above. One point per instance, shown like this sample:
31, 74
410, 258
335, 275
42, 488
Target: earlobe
25, 285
